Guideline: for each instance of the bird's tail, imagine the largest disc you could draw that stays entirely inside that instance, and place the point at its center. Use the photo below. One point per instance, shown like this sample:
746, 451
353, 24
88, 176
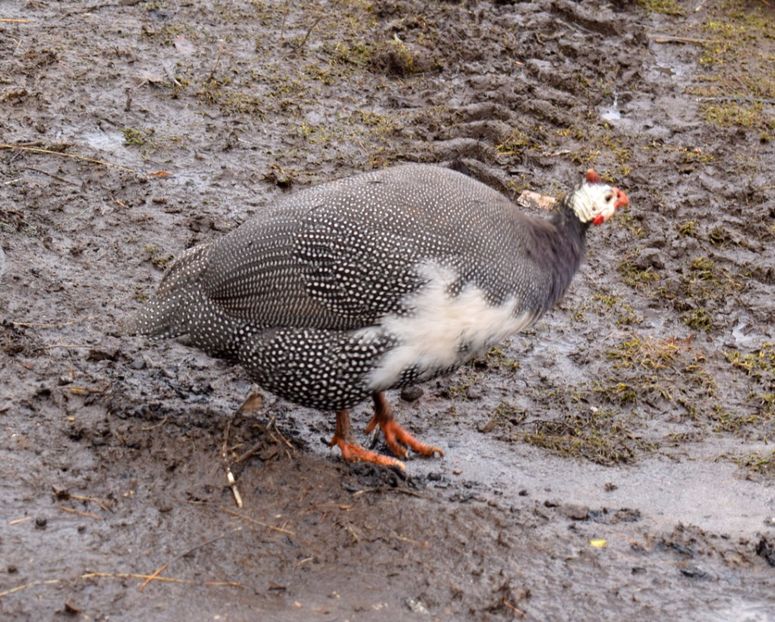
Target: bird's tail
164, 315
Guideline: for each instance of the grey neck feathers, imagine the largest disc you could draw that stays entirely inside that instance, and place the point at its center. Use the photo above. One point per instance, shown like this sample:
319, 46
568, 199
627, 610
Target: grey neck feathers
559, 245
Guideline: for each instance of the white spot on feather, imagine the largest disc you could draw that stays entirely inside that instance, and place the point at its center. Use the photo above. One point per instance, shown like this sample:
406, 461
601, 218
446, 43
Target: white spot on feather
431, 337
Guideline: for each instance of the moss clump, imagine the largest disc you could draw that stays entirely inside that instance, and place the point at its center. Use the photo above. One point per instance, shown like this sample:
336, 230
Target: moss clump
725, 421
698, 319
703, 268
719, 236
315, 133
623, 155
355, 53
650, 353
687, 228
495, 358
664, 7
597, 436
156, 257
635, 276
516, 143
759, 364
280, 176
134, 137
737, 54
766, 404
380, 124
619, 393
394, 58
625, 312
505, 414
758, 463
734, 114
696, 155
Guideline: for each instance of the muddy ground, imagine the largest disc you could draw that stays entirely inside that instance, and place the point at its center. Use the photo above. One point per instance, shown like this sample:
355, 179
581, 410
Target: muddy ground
615, 461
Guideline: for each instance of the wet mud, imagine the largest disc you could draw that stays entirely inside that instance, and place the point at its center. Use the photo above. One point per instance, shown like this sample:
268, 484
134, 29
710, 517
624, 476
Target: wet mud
616, 460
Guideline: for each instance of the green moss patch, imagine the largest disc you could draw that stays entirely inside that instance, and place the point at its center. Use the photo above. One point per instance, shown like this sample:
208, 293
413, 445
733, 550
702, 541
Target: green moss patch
599, 436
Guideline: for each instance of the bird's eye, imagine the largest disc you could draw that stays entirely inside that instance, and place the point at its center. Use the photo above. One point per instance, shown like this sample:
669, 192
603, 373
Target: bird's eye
609, 196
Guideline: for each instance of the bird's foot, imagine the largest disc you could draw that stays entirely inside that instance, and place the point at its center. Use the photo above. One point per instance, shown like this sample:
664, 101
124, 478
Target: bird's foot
398, 440
396, 437
352, 452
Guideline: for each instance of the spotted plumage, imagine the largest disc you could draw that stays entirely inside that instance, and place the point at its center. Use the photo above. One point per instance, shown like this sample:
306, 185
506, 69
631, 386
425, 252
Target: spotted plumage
373, 282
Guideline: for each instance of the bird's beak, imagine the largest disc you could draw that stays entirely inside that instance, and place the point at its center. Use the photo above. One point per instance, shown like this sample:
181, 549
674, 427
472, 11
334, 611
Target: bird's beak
622, 200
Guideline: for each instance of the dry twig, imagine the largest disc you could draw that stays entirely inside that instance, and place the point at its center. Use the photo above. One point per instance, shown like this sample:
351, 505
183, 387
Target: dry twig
671, 39
137, 575
80, 513
254, 521
155, 576
73, 156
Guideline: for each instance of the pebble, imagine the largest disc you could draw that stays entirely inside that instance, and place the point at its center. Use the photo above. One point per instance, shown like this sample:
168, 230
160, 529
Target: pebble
411, 393
474, 393
694, 572
575, 511
417, 606
649, 258
41, 522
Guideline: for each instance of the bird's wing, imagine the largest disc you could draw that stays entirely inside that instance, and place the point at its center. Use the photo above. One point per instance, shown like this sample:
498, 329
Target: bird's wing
343, 255
326, 271
358, 270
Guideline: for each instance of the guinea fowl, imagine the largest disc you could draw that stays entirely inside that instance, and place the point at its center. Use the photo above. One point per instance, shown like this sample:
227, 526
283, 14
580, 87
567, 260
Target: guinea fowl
340, 292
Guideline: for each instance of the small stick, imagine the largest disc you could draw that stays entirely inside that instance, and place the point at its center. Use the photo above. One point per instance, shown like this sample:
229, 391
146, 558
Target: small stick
216, 62
69, 346
18, 521
285, 17
517, 611
250, 519
309, 31
155, 575
233, 486
247, 454
272, 425
53, 176
155, 425
733, 98
349, 529
137, 575
100, 502
224, 454
73, 156
688, 40
14, 20
423, 545
404, 491
25, 586
80, 513
51, 325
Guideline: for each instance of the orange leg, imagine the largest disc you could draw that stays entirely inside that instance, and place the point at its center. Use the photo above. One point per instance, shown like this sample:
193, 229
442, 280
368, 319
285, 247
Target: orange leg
352, 452
396, 437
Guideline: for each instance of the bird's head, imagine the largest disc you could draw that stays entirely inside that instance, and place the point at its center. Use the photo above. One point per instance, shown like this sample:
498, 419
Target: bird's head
594, 201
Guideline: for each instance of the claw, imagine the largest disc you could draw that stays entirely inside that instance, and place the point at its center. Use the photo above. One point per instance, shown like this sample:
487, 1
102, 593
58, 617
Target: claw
352, 452
396, 437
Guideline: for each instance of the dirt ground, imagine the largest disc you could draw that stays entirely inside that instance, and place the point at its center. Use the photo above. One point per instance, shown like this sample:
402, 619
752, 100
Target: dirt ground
615, 461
